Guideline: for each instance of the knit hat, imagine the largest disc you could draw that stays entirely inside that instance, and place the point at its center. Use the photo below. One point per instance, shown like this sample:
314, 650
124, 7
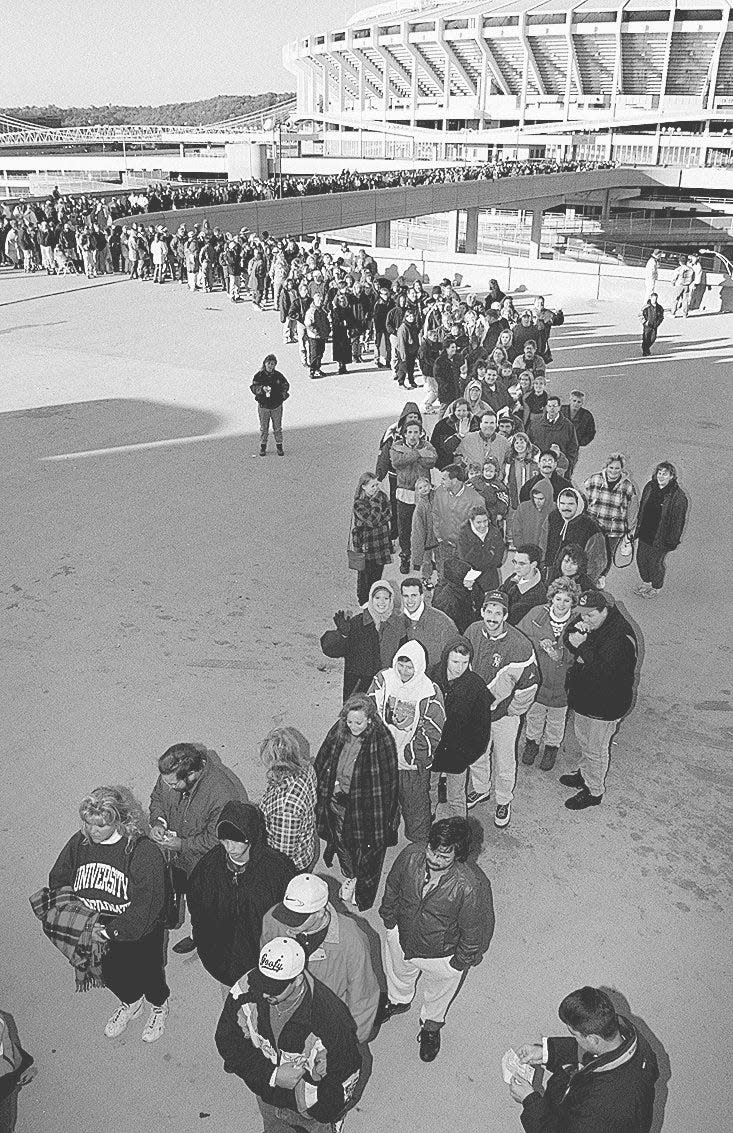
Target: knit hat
281, 961
239, 822
305, 895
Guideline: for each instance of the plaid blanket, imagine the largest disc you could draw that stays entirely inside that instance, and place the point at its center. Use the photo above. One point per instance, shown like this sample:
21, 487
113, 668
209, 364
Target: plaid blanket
68, 924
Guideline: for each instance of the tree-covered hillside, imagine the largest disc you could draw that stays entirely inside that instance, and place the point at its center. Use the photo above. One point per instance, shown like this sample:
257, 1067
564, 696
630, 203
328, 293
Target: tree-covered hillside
174, 113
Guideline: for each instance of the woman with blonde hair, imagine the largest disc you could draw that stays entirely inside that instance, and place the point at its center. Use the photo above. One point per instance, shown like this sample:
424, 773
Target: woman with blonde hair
113, 867
289, 801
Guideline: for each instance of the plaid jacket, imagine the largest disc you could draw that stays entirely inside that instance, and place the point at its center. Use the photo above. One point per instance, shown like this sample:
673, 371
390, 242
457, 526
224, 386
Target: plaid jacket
610, 506
371, 815
68, 924
289, 810
371, 527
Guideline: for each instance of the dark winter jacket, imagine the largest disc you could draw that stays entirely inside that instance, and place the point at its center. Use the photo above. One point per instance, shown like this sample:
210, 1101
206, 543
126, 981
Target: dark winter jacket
277, 385
467, 714
455, 919
600, 682
365, 649
584, 423
124, 881
486, 555
447, 372
666, 534
613, 1093
581, 530
15, 1060
560, 432
451, 597
552, 654
445, 439
320, 1034
557, 480
226, 907
521, 603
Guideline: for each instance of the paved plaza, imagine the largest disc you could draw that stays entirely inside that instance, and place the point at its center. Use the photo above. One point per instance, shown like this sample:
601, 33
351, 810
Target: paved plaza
161, 583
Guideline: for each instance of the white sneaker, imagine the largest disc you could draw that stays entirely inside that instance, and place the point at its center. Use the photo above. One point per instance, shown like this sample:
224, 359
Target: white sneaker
155, 1025
117, 1023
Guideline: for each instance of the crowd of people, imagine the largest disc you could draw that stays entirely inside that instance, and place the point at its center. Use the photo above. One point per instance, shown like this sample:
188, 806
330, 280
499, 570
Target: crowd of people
500, 644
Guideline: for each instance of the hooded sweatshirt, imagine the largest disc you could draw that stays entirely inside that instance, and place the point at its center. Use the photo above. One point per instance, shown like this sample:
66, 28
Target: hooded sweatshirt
557, 532
227, 902
412, 710
528, 520
467, 713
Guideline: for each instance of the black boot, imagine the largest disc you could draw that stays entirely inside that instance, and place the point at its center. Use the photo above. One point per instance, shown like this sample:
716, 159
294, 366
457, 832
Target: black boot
531, 749
549, 756
263, 450
576, 781
280, 450
387, 1009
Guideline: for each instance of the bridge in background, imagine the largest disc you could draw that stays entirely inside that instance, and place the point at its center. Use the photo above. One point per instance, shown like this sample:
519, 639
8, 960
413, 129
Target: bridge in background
533, 194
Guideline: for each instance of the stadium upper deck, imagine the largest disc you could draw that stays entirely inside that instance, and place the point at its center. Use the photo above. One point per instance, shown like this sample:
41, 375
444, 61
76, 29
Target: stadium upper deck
556, 68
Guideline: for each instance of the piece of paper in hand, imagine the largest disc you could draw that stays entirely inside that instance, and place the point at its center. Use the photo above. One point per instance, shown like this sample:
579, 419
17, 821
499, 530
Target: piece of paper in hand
511, 1067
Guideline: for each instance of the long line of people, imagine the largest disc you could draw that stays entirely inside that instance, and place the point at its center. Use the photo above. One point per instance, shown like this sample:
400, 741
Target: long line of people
443, 673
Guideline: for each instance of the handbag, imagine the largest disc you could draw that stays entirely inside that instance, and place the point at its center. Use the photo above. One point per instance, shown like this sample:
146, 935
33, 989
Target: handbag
623, 556
356, 559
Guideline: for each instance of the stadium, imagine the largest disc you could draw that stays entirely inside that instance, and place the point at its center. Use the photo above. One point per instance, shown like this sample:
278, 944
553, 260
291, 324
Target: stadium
642, 81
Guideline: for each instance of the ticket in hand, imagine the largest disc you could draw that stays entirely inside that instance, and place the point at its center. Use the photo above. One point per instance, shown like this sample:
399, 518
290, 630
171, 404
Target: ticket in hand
511, 1067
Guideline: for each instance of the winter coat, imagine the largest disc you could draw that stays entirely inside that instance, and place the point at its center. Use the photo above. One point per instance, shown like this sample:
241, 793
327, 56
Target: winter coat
668, 533
451, 597
613, 1093
342, 963
411, 464
276, 383
194, 814
445, 440
455, 919
342, 320
520, 603
428, 355
227, 908
583, 422
467, 715
422, 540
371, 817
474, 448
432, 629
486, 555
652, 316
494, 496
553, 656
447, 372
508, 666
420, 749
613, 506
15, 1060
560, 432
384, 460
124, 881
451, 510
516, 475
365, 649
528, 521
320, 1035
600, 681
581, 530
371, 527
408, 341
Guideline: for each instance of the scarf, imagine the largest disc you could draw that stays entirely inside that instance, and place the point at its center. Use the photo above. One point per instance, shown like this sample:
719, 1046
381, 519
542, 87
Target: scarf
379, 619
558, 624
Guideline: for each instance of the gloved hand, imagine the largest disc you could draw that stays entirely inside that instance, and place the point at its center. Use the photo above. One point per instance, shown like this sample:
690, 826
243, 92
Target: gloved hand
341, 621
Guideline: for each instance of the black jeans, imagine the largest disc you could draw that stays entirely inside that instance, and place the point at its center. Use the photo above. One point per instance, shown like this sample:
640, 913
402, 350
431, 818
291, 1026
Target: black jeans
316, 347
650, 563
648, 338
404, 528
137, 967
366, 578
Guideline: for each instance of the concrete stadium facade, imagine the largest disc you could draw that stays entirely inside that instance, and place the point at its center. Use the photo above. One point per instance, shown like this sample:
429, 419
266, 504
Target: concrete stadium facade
647, 81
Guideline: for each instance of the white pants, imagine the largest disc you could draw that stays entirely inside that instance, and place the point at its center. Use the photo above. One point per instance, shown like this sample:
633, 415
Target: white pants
501, 754
439, 981
594, 738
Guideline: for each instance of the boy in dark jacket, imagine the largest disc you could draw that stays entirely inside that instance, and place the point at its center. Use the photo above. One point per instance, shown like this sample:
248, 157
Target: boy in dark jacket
600, 686
602, 1077
295, 1046
232, 888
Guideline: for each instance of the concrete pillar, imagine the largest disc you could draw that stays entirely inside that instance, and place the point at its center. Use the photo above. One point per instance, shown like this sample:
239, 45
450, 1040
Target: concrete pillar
381, 234
535, 236
471, 232
453, 232
606, 207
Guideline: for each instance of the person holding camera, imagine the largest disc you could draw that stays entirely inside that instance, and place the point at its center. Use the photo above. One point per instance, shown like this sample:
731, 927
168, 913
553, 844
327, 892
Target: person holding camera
270, 389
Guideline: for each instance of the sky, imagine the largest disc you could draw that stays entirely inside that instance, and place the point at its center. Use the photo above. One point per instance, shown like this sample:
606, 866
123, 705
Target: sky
95, 52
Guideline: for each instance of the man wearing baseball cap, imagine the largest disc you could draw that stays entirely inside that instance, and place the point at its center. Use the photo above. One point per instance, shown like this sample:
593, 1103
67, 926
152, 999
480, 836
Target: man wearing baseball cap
337, 950
505, 659
600, 686
292, 1042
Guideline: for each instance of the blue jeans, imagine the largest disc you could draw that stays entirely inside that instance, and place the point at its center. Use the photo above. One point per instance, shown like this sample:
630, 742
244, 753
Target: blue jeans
289, 1121
266, 416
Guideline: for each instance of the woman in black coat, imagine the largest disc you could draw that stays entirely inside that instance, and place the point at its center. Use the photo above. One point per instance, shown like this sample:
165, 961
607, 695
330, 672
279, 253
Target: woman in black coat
368, 640
450, 431
467, 723
342, 324
659, 527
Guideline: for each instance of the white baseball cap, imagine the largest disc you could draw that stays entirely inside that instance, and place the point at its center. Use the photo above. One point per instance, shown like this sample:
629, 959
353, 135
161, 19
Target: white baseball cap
306, 894
281, 960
